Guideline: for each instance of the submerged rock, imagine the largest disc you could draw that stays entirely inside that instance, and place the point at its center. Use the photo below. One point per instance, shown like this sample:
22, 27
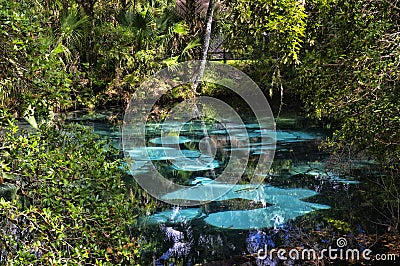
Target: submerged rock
154, 153
279, 205
316, 169
273, 216
173, 216
170, 140
203, 163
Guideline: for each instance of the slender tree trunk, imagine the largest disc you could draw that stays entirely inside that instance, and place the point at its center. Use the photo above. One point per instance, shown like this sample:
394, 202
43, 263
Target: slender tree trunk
200, 73
206, 45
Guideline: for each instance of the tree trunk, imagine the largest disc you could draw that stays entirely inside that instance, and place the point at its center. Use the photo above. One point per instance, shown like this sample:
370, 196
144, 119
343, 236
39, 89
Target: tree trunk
206, 44
200, 73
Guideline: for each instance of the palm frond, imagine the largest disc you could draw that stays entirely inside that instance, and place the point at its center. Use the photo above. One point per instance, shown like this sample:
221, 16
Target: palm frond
72, 28
141, 24
191, 45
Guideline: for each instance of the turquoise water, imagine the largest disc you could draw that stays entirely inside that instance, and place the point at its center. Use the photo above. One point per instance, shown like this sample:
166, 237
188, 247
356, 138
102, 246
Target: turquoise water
243, 220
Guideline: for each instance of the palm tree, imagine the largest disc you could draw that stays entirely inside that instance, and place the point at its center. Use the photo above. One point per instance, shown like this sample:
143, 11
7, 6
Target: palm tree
71, 33
141, 24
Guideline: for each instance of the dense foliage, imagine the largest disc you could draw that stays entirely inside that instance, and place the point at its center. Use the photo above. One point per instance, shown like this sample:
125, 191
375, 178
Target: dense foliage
349, 79
59, 55
350, 75
31, 72
270, 28
71, 206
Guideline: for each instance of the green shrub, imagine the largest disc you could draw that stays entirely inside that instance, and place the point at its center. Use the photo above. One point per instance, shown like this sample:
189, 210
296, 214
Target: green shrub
71, 206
